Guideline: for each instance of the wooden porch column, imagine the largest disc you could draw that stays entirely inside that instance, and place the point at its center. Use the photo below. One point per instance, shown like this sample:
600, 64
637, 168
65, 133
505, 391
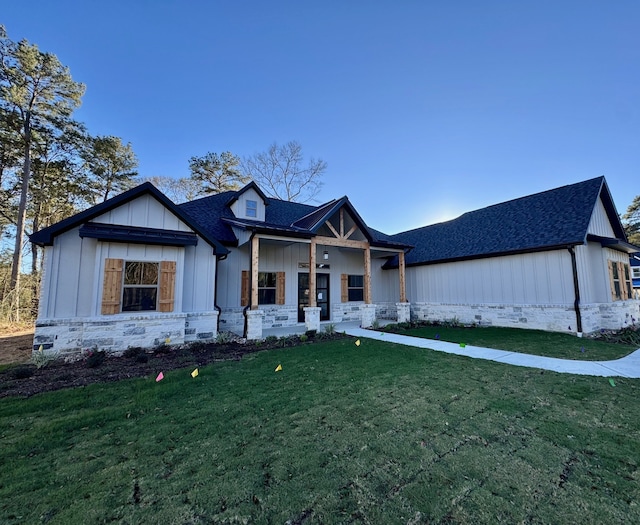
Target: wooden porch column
367, 275
255, 258
403, 285
312, 274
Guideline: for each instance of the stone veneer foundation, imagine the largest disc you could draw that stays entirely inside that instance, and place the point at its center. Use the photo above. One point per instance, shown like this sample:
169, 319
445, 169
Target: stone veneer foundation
553, 318
67, 338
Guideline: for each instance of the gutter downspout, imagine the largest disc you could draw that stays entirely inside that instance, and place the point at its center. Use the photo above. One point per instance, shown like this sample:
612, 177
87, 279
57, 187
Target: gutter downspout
215, 291
244, 310
576, 288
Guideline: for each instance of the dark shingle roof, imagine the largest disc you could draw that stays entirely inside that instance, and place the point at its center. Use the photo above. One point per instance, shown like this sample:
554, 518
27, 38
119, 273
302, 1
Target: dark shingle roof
551, 219
46, 236
281, 217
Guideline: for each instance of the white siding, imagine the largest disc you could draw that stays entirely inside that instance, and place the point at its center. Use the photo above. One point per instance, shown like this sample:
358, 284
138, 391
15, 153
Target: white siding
74, 266
199, 278
537, 278
239, 207
600, 223
137, 252
145, 212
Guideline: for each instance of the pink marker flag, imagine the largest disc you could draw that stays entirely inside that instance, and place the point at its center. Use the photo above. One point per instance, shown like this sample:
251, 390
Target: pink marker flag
160, 377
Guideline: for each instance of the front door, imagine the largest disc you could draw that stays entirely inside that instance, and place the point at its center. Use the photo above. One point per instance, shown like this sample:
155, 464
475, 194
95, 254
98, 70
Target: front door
322, 295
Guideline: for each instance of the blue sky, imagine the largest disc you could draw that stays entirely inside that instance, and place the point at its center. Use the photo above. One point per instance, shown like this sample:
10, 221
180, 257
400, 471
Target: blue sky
422, 109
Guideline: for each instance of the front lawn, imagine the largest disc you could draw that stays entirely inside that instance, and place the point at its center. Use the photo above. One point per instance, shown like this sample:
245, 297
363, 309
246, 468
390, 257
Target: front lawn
536, 342
375, 433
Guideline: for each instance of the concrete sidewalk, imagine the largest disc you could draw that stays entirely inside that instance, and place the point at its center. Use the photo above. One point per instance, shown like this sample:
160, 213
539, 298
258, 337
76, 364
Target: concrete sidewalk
628, 366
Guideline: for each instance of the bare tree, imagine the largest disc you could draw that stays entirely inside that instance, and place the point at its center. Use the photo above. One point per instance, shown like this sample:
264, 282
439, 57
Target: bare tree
178, 190
281, 173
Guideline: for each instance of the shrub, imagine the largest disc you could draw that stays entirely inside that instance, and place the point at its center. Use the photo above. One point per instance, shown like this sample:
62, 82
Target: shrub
133, 352
224, 338
22, 372
95, 358
42, 358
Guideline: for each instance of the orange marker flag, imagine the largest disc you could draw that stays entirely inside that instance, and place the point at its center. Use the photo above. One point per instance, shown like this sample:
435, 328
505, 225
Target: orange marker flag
160, 377
194, 373
279, 368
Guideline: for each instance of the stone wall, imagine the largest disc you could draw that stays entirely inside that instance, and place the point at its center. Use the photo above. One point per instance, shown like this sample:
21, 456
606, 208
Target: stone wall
553, 318
274, 316
346, 312
67, 338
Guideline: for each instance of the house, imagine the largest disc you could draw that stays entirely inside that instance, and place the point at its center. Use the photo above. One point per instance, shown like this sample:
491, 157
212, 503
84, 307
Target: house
557, 260
139, 270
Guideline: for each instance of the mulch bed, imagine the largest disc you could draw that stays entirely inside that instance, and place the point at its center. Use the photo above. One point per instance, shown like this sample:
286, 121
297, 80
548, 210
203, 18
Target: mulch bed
27, 380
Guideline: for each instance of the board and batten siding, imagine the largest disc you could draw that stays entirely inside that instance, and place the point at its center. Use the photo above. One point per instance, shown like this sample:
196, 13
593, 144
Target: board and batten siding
144, 212
66, 287
600, 223
73, 280
535, 278
239, 207
199, 278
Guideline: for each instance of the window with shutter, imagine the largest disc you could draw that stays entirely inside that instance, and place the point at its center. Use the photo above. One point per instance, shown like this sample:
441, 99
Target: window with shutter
133, 286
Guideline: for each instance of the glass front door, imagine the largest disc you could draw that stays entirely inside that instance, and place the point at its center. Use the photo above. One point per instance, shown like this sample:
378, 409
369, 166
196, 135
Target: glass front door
322, 295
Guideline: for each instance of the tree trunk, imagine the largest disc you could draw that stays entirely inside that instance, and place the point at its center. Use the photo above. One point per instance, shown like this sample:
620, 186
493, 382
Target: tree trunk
22, 213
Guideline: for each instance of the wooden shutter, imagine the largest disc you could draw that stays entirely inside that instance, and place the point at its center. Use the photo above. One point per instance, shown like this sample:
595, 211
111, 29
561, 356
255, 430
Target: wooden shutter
622, 279
628, 281
279, 287
612, 284
112, 286
344, 288
244, 288
167, 285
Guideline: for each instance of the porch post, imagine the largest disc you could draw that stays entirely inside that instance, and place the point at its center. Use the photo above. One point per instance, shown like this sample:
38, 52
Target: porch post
255, 257
312, 274
403, 285
367, 275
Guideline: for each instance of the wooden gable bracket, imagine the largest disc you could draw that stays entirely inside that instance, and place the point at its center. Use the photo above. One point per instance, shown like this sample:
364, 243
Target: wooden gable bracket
341, 234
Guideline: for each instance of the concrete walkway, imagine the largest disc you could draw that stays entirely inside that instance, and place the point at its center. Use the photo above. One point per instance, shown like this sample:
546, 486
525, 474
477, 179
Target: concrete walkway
628, 366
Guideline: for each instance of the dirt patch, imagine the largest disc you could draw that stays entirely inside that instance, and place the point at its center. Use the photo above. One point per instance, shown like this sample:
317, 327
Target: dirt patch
16, 348
26, 379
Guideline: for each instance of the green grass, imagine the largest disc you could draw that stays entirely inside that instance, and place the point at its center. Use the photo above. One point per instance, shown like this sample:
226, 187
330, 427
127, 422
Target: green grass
536, 342
375, 433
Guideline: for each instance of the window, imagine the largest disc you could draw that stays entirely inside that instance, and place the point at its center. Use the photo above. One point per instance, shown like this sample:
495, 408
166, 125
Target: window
140, 286
252, 208
267, 287
271, 286
352, 288
620, 279
636, 272
131, 286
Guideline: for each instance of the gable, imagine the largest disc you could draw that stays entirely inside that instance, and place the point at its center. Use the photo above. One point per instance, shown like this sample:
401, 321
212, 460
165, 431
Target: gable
600, 223
249, 205
141, 207
143, 212
341, 225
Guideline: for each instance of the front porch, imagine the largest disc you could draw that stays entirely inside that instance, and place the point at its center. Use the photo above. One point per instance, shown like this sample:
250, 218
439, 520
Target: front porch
367, 317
